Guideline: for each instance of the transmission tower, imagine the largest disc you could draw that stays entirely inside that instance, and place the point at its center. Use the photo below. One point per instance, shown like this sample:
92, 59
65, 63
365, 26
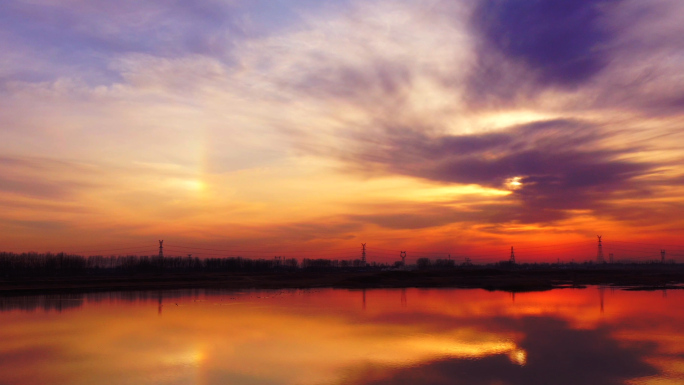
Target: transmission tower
161, 248
662, 256
402, 254
599, 253
363, 254
512, 260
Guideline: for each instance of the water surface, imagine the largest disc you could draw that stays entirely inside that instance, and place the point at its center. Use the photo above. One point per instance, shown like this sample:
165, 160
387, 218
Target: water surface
410, 336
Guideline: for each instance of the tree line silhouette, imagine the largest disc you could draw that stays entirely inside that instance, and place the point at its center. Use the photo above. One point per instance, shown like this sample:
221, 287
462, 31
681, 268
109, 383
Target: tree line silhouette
63, 264
53, 264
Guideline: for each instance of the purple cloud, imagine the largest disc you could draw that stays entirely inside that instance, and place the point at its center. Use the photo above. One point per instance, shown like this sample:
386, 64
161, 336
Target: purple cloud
560, 41
81, 39
554, 351
560, 165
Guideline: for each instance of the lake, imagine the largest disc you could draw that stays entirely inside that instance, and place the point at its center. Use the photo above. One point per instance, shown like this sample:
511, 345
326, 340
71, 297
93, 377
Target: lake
589, 336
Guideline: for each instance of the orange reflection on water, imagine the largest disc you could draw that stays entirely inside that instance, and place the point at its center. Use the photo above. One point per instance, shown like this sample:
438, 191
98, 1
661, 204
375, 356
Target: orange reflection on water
340, 336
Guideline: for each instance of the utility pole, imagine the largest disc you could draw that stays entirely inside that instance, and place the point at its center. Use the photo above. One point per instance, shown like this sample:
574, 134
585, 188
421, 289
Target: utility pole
161, 248
363, 254
512, 260
599, 253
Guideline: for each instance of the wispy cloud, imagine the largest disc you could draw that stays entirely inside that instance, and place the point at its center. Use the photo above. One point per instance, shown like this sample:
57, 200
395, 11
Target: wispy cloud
257, 110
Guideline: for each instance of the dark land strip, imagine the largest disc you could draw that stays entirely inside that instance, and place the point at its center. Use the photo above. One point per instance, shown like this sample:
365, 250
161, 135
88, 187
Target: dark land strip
649, 277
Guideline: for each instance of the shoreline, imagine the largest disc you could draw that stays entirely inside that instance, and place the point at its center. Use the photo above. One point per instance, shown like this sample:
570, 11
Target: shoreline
509, 280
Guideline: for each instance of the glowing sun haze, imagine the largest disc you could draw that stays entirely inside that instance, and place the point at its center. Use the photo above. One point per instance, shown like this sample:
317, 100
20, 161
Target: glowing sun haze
456, 126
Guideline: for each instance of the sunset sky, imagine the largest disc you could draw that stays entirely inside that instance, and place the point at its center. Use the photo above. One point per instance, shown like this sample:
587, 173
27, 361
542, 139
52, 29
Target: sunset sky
273, 127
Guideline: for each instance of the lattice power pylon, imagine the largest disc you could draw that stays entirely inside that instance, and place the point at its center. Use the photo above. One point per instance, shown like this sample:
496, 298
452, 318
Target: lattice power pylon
363, 254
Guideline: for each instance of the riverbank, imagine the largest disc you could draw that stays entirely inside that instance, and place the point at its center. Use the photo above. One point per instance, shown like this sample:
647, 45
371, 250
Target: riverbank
511, 280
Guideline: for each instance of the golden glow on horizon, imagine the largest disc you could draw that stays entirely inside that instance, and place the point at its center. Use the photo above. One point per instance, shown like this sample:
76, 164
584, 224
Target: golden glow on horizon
323, 132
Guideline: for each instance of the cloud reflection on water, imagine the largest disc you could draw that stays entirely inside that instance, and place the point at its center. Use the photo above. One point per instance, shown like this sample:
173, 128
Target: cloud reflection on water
557, 354
313, 337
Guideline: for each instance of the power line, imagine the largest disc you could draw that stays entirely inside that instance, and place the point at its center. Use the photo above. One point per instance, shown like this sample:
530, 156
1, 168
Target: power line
642, 249
146, 252
232, 255
648, 244
120, 248
261, 251
264, 256
548, 246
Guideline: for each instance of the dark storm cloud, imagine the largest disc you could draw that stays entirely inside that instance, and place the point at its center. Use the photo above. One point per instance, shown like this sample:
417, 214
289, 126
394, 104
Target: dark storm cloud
560, 41
560, 164
556, 354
